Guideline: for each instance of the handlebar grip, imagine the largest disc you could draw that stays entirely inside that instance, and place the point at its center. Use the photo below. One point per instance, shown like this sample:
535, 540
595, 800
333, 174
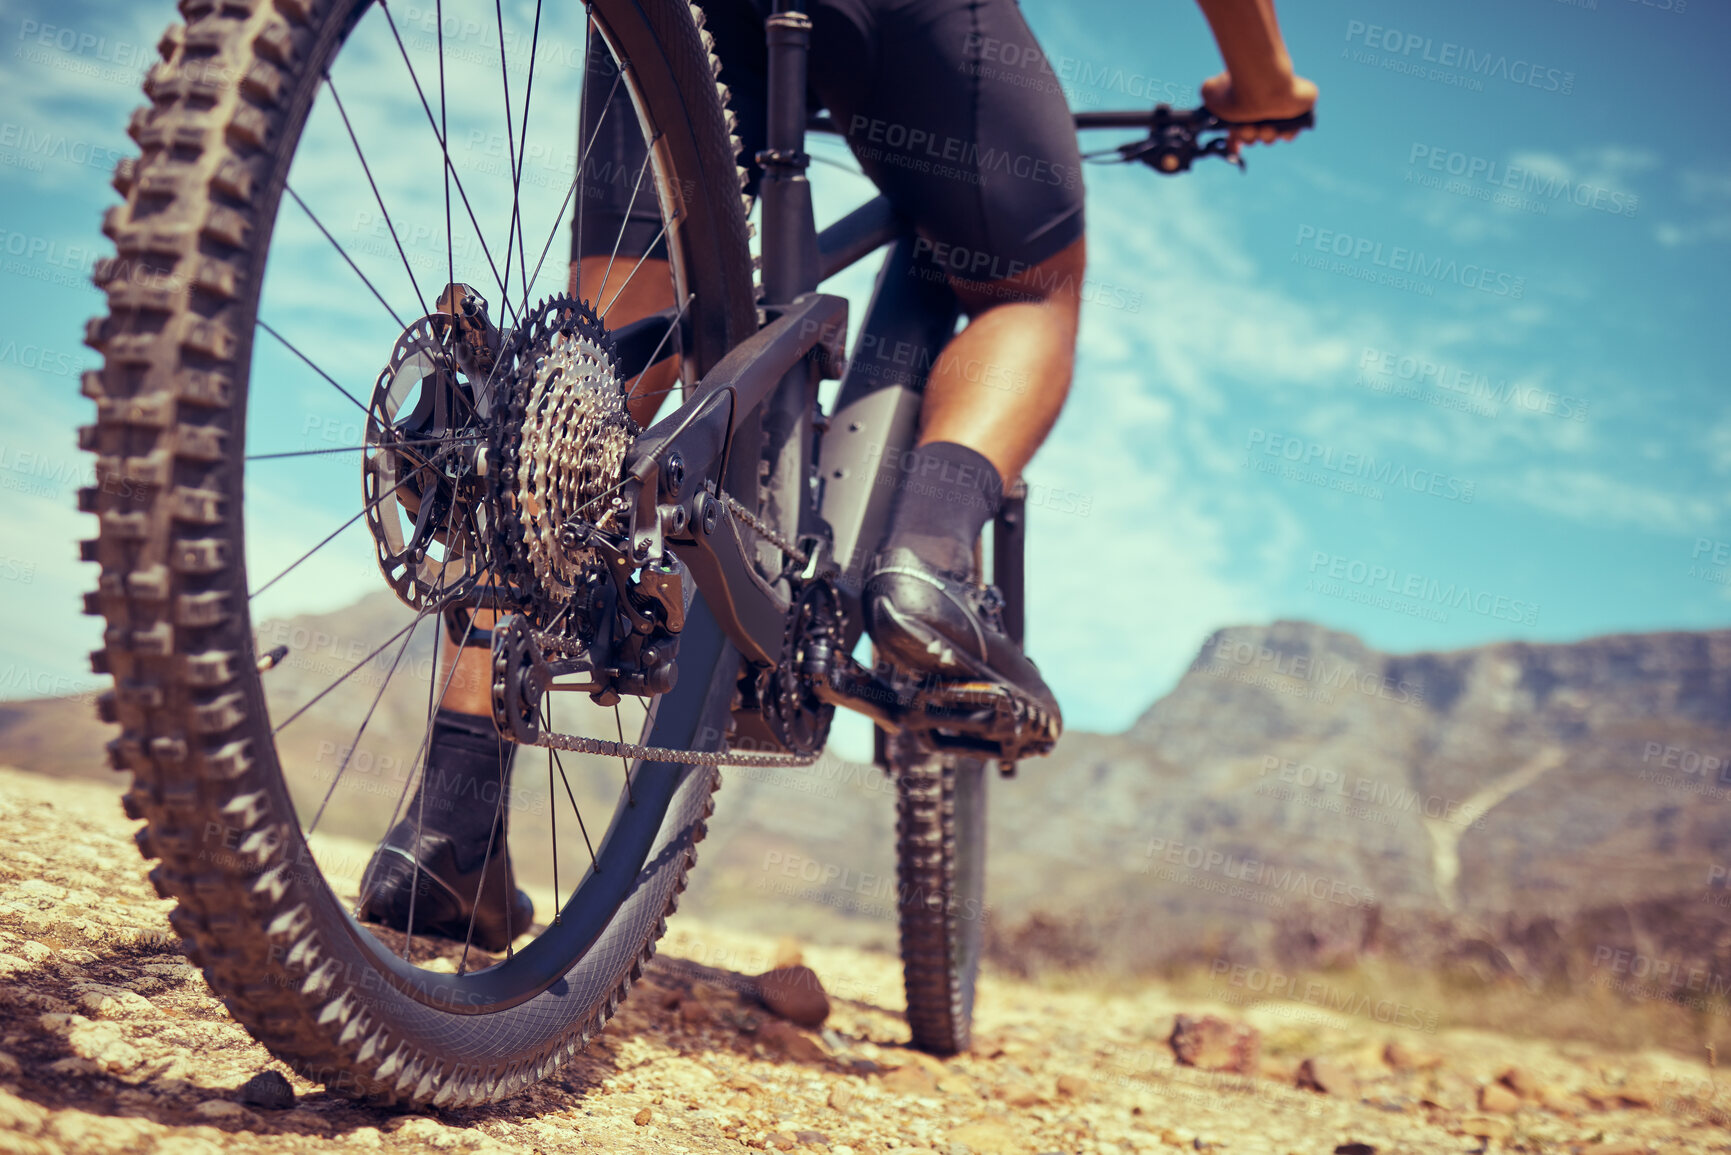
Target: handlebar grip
1290, 124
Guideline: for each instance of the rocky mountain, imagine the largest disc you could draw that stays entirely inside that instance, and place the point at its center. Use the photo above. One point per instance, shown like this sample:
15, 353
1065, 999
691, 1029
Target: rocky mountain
1301, 797
1297, 798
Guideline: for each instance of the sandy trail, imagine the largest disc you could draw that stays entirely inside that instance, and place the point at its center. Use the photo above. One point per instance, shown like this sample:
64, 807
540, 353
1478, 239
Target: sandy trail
110, 1042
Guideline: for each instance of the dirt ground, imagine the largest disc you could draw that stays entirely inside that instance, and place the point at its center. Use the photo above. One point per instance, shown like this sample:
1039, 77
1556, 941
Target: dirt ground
110, 1042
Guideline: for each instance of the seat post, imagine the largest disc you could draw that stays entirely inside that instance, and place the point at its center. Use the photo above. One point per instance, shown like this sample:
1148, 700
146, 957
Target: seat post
790, 265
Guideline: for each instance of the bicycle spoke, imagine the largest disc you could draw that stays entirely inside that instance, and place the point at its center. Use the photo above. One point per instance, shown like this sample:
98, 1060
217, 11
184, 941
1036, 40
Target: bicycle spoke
343, 253
445, 148
623, 221
420, 297
346, 675
510, 143
331, 537
424, 755
576, 809
582, 163
619, 728
516, 189
287, 344
450, 172
656, 352
359, 734
633, 272
359, 448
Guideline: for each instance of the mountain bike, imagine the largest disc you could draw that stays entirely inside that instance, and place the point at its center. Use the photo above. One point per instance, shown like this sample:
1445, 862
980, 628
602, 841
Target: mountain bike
701, 575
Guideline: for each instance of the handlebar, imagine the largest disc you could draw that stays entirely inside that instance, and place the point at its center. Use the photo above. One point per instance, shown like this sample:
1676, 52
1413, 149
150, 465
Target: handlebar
1175, 135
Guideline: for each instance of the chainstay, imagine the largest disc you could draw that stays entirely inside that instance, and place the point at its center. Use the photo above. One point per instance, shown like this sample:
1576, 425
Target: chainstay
581, 745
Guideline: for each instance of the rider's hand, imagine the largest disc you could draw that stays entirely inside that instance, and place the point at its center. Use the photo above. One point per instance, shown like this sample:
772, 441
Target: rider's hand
1279, 98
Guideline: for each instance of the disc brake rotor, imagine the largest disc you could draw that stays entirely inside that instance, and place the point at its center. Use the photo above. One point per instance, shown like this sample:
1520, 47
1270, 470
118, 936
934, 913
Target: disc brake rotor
423, 501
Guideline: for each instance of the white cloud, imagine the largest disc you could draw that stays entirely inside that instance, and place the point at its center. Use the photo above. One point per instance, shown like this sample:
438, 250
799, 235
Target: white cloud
1601, 500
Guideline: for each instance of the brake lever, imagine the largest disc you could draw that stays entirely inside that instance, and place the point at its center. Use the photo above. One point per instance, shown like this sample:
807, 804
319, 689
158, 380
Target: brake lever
1174, 139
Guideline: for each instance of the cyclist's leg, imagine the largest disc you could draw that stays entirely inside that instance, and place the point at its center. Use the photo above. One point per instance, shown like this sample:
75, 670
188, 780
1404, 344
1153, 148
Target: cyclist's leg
998, 385
964, 129
951, 109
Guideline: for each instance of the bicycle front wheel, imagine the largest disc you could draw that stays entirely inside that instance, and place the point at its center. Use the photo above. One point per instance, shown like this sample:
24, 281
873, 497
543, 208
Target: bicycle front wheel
206, 539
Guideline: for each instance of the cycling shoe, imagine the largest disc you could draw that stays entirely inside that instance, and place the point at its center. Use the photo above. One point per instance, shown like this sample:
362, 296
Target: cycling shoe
444, 888
934, 622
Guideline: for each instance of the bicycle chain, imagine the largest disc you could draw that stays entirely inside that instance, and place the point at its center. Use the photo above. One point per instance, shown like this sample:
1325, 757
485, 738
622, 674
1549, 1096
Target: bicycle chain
608, 749
770, 535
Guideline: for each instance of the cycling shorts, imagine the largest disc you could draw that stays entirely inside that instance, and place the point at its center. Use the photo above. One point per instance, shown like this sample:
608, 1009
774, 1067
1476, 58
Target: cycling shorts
949, 107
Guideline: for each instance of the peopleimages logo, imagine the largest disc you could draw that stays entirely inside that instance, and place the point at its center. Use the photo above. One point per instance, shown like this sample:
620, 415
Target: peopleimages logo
1402, 583
1400, 259
1470, 385
1523, 180
1354, 464
1448, 55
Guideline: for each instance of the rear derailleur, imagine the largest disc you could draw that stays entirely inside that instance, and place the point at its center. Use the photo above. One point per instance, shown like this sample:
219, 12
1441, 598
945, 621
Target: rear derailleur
615, 637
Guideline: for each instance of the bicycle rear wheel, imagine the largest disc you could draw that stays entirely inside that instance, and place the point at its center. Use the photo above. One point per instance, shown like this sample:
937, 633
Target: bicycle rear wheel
941, 872
222, 771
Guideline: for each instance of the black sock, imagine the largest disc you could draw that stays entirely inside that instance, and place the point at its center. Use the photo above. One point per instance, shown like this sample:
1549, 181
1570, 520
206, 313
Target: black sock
468, 766
947, 494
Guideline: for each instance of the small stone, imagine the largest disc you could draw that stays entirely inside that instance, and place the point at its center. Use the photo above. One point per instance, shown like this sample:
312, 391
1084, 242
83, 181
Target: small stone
1401, 1057
987, 1137
1498, 1099
1213, 1044
911, 1080
794, 993
1073, 1086
1521, 1082
790, 1042
812, 1138
781, 1140
1355, 1149
642, 1117
1627, 1147
1329, 1076
695, 1013
1560, 1101
20, 1114
268, 1089
219, 1109
1487, 1127
9, 1068
840, 1096
1023, 1098
80, 1131
740, 1101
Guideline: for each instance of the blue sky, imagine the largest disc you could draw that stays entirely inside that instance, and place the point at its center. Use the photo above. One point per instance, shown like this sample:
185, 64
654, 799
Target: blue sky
1466, 336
